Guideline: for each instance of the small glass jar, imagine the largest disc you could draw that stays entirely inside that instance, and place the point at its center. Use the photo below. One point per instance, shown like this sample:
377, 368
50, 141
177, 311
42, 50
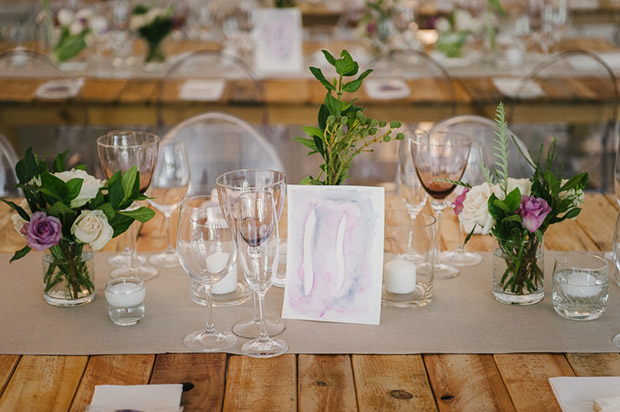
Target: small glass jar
125, 297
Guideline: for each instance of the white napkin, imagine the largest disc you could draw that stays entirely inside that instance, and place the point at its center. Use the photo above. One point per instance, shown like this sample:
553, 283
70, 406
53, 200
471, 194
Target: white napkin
59, 88
202, 89
145, 398
578, 394
509, 86
585, 63
386, 89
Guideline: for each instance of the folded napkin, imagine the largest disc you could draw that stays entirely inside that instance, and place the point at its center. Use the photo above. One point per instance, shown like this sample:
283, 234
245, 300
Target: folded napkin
59, 89
513, 87
578, 394
386, 89
139, 398
585, 63
202, 89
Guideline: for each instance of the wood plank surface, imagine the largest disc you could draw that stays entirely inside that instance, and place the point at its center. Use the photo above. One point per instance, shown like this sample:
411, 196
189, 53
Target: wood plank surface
43, 383
111, 370
594, 218
202, 374
7, 366
326, 383
464, 383
526, 377
392, 383
595, 364
261, 384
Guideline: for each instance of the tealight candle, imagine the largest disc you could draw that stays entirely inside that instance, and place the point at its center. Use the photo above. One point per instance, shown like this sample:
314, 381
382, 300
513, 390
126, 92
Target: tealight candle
399, 276
228, 284
581, 285
126, 299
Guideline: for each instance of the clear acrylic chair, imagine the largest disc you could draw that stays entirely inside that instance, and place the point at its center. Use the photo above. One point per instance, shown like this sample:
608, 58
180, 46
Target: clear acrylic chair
212, 76
219, 142
585, 145
8, 178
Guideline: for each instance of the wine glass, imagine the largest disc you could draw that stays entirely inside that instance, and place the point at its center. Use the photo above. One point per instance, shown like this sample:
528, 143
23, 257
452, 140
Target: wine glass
473, 175
168, 188
257, 239
438, 156
121, 150
207, 250
616, 268
409, 184
230, 186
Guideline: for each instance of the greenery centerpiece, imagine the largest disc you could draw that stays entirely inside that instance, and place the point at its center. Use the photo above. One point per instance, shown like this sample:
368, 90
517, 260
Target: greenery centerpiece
153, 25
343, 131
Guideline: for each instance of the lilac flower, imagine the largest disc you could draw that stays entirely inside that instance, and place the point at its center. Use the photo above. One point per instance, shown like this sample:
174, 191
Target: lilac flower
533, 211
458, 202
42, 231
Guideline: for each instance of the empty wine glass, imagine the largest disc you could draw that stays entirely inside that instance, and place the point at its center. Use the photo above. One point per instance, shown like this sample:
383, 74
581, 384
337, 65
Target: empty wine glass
257, 239
440, 156
207, 250
168, 188
409, 184
230, 186
121, 150
473, 176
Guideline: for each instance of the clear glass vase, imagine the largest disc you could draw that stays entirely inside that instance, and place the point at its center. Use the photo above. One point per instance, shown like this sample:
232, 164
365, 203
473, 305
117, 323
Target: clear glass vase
69, 276
518, 265
155, 52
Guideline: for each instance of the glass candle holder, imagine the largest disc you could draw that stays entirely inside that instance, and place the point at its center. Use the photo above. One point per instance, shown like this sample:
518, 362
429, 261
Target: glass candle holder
125, 298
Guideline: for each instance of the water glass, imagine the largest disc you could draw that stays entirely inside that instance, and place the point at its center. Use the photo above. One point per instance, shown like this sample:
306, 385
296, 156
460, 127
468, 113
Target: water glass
125, 298
580, 285
408, 266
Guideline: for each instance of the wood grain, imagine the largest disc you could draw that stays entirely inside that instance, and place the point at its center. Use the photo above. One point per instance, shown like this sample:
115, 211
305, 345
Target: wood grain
526, 377
7, 366
326, 383
392, 382
595, 364
206, 374
261, 384
111, 370
464, 383
594, 218
43, 383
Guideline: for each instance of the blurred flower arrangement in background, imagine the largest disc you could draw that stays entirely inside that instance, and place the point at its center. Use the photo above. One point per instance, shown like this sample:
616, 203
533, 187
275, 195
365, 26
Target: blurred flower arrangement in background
76, 28
153, 25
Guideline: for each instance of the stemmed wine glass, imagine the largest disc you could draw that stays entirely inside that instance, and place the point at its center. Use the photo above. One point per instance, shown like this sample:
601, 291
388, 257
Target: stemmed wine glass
257, 239
207, 250
409, 184
616, 271
230, 186
121, 150
437, 157
168, 188
473, 175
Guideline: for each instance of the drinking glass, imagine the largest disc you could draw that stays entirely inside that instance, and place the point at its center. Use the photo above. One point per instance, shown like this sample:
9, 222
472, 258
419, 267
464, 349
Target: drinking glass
473, 176
409, 185
257, 239
168, 188
616, 253
230, 186
121, 150
439, 156
207, 250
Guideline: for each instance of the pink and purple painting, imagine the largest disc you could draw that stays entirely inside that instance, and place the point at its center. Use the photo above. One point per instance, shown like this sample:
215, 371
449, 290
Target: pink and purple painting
335, 253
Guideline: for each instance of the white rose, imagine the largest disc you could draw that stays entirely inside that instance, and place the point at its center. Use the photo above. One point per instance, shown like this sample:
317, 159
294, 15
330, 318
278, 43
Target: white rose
65, 17
17, 220
98, 25
524, 185
92, 227
90, 186
442, 25
475, 207
76, 28
137, 21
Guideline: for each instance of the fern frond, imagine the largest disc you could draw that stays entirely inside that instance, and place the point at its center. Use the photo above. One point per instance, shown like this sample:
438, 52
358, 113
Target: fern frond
501, 148
486, 173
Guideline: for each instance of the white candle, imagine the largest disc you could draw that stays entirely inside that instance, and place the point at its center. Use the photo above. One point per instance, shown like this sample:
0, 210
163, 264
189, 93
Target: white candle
217, 262
581, 285
125, 294
228, 284
399, 276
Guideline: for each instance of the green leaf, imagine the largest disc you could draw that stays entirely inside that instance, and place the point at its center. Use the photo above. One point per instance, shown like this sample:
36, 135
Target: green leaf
143, 214
312, 131
20, 253
513, 200
323, 115
108, 210
22, 213
120, 224
318, 74
512, 218
329, 57
354, 85
115, 195
318, 142
573, 213
128, 182
346, 66
54, 185
59, 162
306, 181
333, 105
73, 188
27, 167
59, 209
309, 143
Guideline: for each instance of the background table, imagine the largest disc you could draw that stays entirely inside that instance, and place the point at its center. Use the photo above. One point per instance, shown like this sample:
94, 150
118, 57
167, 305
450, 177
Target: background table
444, 382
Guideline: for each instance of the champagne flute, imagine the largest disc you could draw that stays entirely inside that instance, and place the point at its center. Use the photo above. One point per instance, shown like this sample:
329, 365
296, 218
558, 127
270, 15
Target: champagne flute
437, 157
230, 186
616, 269
207, 250
120, 150
168, 188
257, 239
410, 187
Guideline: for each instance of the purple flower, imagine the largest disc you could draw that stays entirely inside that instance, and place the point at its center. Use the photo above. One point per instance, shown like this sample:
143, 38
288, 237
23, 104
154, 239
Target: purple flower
42, 231
533, 211
458, 202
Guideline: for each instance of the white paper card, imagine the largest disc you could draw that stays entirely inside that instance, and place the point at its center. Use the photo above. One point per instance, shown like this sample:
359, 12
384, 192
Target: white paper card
202, 89
514, 87
278, 38
386, 88
334, 265
137, 397
577, 394
586, 63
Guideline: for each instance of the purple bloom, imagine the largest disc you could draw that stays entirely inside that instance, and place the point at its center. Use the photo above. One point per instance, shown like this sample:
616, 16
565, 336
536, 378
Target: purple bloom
533, 211
458, 202
42, 231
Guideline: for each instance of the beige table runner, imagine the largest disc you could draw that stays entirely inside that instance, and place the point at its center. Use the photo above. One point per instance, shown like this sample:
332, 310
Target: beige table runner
462, 318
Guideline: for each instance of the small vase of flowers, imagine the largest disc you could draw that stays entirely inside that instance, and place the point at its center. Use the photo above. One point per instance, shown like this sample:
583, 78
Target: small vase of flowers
153, 25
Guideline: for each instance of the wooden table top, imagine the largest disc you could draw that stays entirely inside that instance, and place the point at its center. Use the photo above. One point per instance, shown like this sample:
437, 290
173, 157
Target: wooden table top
433, 382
